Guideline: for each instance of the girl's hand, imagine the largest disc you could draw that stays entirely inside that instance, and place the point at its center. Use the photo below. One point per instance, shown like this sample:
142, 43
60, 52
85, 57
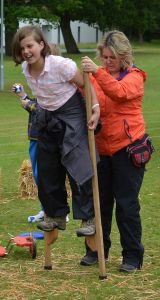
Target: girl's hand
18, 89
92, 123
88, 65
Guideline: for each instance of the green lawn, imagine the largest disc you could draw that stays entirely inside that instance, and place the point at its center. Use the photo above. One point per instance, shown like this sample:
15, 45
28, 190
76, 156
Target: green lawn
24, 278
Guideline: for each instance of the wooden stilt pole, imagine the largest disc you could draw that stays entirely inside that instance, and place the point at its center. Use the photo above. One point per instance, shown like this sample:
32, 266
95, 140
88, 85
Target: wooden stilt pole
49, 237
99, 236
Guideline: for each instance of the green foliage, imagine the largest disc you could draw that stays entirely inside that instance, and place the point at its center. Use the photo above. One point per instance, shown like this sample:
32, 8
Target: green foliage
20, 10
139, 16
135, 18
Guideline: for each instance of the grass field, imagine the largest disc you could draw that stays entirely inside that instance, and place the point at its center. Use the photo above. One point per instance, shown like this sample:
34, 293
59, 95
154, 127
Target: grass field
21, 277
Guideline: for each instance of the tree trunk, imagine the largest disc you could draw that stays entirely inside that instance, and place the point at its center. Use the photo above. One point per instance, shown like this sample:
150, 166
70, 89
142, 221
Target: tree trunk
69, 41
8, 42
140, 33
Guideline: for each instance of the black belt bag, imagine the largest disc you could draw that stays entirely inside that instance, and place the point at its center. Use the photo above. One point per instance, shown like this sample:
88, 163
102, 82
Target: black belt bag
140, 151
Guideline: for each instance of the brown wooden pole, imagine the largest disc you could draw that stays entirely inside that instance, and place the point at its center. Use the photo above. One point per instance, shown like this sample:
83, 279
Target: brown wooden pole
91, 139
49, 238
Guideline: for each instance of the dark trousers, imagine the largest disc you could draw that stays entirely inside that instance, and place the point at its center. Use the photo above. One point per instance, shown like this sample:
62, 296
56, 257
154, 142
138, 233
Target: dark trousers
120, 181
51, 181
82, 200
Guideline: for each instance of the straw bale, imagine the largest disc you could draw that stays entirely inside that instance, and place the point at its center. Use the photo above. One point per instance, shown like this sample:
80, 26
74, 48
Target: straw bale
27, 188
69, 193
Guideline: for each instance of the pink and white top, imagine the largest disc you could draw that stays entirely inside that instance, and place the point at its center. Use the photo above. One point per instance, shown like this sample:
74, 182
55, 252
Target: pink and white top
52, 88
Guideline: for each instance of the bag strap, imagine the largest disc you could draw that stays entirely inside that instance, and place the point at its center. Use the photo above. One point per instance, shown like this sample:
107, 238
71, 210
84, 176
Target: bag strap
126, 128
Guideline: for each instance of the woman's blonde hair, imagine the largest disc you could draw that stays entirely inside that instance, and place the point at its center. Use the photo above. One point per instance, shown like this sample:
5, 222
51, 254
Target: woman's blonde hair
119, 44
21, 34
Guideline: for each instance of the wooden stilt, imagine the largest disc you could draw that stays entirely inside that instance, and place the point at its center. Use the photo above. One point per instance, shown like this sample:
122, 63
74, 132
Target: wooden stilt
50, 238
91, 140
91, 241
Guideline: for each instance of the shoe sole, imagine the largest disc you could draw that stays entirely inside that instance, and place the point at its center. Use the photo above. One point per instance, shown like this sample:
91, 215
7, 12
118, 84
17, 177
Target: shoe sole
82, 263
60, 228
49, 230
128, 271
46, 230
80, 234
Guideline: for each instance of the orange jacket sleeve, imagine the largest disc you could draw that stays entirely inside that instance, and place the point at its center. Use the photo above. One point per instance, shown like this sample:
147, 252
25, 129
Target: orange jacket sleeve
128, 88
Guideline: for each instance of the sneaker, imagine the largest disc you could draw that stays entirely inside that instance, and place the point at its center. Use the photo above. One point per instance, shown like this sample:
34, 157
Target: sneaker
89, 260
36, 218
124, 267
87, 228
51, 223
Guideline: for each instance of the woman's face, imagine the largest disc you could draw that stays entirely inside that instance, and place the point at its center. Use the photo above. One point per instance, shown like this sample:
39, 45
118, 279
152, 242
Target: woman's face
30, 49
110, 62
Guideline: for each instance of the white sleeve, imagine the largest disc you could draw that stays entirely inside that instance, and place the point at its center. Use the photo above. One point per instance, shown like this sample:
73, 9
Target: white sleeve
67, 69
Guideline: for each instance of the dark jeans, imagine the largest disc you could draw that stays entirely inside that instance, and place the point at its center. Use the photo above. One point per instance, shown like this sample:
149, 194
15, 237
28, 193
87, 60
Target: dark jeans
82, 200
120, 181
51, 182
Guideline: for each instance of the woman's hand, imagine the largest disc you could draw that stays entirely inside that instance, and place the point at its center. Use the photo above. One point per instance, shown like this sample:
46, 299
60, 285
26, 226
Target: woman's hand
92, 123
88, 65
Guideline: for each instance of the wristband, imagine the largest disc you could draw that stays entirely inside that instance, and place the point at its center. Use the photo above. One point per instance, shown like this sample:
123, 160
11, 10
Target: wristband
95, 105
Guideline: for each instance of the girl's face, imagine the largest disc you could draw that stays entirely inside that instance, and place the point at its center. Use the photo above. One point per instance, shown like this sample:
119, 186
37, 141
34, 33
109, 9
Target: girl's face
31, 50
111, 62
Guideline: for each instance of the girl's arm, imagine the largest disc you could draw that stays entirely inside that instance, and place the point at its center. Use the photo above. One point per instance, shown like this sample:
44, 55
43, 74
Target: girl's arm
26, 102
79, 81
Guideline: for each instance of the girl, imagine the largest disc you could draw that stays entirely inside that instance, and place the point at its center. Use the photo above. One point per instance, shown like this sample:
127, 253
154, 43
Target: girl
61, 119
29, 104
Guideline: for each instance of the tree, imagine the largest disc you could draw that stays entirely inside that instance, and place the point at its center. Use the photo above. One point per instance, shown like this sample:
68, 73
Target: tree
72, 10
130, 16
16, 10
139, 16
63, 11
11, 24
110, 15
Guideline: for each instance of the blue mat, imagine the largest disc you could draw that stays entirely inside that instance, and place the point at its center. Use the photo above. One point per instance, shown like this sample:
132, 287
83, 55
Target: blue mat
36, 235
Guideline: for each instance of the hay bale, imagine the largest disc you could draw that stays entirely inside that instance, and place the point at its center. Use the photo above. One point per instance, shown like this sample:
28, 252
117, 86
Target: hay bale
68, 187
27, 188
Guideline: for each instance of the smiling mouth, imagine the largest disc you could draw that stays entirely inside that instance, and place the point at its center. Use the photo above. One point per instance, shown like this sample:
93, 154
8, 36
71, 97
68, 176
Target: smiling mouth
28, 57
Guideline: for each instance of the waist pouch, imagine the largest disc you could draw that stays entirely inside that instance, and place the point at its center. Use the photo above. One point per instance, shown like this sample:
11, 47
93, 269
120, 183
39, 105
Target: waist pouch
141, 150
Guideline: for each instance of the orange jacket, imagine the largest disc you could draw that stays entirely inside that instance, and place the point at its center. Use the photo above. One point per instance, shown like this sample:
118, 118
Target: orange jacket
121, 109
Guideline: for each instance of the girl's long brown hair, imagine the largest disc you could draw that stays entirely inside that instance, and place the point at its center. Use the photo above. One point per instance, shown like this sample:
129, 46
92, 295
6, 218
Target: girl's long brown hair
23, 33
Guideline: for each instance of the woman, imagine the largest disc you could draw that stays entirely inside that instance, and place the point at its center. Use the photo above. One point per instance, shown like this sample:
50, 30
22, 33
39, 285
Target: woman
120, 89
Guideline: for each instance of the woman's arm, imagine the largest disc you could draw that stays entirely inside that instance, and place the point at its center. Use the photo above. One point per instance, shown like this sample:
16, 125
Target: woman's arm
92, 124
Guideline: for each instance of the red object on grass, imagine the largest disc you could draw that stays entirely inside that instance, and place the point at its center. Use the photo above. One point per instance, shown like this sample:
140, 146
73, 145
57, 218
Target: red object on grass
23, 241
3, 251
